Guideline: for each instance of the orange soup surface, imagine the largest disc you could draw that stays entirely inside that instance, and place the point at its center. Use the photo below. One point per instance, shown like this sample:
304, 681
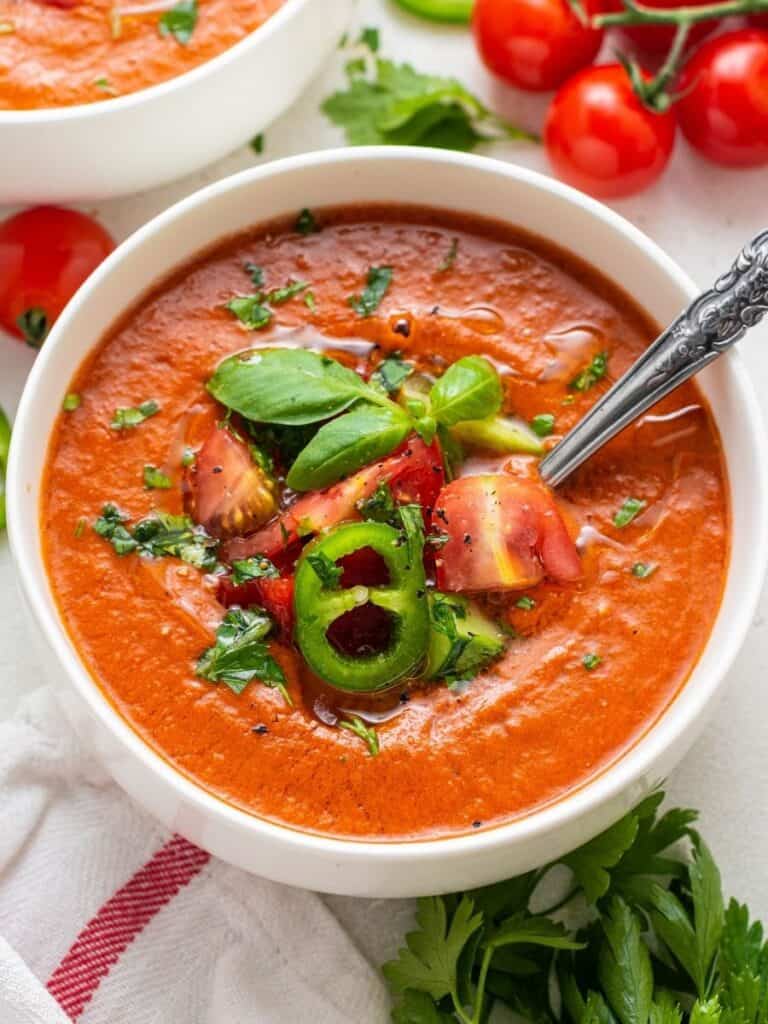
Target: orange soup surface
68, 53
593, 614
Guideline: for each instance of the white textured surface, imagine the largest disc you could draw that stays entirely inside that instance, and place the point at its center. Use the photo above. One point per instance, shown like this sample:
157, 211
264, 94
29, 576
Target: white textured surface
701, 216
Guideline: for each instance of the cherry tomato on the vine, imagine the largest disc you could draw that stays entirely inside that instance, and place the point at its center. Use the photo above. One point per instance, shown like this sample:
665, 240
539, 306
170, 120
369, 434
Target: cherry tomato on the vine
46, 253
656, 39
601, 138
723, 111
534, 44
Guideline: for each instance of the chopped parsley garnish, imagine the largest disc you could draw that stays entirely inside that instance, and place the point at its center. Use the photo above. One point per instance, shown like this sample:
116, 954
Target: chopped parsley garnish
592, 373
392, 104
158, 535
309, 301
365, 732
34, 326
155, 479
450, 257
105, 85
525, 603
391, 373
240, 654
591, 661
255, 568
370, 37
326, 571
126, 418
377, 284
543, 424
179, 21
380, 507
306, 224
188, 458
80, 526
71, 402
253, 311
642, 570
257, 143
631, 508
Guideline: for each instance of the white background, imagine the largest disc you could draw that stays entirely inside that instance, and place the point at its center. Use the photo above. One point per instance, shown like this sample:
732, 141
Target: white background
701, 215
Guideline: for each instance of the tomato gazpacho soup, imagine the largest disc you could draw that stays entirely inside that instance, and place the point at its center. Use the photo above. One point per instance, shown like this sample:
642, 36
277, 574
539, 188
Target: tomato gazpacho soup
59, 53
295, 528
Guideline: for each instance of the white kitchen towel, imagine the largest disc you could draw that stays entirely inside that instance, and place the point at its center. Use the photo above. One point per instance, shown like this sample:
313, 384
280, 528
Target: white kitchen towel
126, 924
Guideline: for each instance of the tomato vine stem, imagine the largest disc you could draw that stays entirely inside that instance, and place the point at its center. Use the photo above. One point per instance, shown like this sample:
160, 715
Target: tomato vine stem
635, 13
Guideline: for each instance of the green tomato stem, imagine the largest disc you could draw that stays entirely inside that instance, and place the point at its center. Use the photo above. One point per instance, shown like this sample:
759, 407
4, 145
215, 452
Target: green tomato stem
637, 14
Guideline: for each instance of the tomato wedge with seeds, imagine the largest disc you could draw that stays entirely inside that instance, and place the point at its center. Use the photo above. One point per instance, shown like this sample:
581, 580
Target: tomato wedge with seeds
414, 475
230, 494
503, 534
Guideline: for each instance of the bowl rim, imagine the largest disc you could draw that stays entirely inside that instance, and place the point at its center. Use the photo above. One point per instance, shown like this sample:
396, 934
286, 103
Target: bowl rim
39, 116
589, 796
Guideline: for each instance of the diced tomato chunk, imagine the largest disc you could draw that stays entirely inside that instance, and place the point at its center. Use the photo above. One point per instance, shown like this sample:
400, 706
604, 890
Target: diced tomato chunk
415, 474
503, 534
230, 493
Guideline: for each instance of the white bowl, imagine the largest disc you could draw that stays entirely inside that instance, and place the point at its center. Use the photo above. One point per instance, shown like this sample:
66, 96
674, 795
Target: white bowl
437, 179
147, 138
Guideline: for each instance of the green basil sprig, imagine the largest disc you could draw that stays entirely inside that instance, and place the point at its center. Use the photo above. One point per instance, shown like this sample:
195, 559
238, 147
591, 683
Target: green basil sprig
468, 390
364, 434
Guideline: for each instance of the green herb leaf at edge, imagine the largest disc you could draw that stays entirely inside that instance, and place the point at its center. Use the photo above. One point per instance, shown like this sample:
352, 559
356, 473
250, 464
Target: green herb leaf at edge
180, 21
377, 283
470, 389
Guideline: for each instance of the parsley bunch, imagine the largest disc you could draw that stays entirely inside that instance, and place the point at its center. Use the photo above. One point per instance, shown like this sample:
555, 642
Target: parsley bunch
642, 936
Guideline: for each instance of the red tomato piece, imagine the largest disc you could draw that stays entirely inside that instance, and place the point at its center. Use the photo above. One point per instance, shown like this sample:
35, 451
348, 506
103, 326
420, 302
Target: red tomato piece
723, 111
415, 475
655, 40
230, 493
503, 534
275, 596
534, 44
46, 253
602, 139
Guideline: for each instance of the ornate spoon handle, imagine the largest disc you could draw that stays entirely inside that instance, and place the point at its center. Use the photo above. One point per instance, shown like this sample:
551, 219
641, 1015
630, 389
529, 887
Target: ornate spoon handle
702, 332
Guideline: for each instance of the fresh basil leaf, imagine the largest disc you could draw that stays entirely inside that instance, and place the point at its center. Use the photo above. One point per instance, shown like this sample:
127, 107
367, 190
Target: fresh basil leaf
179, 21
326, 571
126, 418
391, 372
255, 568
154, 479
470, 389
240, 654
377, 284
290, 386
348, 443
359, 728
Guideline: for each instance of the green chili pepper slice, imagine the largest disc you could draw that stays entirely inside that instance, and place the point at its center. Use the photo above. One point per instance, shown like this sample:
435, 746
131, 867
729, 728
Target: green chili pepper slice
318, 605
440, 10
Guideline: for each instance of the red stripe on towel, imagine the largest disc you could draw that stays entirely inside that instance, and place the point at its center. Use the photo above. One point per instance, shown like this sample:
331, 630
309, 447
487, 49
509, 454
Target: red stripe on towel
106, 936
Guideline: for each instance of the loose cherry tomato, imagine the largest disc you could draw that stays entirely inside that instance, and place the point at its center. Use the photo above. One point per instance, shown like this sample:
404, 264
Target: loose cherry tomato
655, 40
503, 534
45, 255
414, 475
230, 494
534, 44
723, 111
601, 138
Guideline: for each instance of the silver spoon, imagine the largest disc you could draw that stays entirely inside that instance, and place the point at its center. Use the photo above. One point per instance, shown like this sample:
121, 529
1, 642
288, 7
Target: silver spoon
711, 324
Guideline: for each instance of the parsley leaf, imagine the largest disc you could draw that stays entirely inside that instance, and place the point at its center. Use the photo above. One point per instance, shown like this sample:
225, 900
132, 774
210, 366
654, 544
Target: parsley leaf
591, 661
590, 862
158, 535
255, 568
642, 570
179, 21
127, 418
71, 402
250, 311
392, 104
380, 507
543, 424
240, 654
631, 508
391, 373
591, 374
326, 571
306, 224
377, 284
365, 732
155, 479
624, 965
430, 961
